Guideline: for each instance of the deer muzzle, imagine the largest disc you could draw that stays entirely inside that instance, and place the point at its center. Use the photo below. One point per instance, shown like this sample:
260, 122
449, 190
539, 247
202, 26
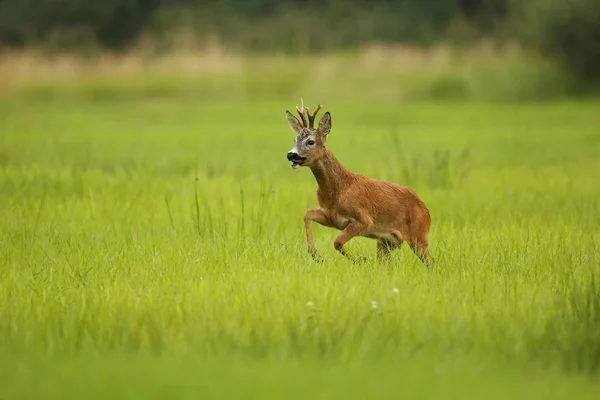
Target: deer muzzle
295, 159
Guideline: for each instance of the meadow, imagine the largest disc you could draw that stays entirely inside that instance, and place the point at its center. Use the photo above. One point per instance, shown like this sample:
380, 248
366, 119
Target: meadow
152, 246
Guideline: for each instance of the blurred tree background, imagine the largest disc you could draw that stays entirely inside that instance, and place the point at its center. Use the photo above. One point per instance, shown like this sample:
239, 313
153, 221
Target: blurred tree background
567, 30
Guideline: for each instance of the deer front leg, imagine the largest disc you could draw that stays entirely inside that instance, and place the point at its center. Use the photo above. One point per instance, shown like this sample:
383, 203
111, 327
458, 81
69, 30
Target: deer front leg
350, 231
319, 217
385, 248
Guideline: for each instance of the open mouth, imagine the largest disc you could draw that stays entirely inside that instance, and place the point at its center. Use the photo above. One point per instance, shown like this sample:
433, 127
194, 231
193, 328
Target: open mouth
297, 161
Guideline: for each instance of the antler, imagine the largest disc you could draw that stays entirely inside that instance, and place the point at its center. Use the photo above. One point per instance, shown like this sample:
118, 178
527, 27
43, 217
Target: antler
303, 111
311, 117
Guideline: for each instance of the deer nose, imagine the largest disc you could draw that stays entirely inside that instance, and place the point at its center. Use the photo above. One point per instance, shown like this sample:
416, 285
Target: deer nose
291, 156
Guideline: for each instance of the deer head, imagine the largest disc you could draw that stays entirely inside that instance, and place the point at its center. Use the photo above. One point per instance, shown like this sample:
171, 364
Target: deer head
309, 145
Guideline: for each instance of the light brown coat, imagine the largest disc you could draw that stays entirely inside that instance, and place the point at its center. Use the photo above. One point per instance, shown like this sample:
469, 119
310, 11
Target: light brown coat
352, 203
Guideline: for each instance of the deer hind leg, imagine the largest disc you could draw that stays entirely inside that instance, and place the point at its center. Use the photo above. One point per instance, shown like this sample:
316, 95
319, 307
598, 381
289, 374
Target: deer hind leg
351, 230
319, 217
419, 236
385, 247
420, 246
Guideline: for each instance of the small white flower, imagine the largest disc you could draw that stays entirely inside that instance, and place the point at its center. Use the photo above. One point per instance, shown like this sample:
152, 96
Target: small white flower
373, 304
395, 290
309, 304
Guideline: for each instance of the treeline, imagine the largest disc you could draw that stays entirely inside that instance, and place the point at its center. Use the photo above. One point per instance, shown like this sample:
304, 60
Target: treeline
568, 30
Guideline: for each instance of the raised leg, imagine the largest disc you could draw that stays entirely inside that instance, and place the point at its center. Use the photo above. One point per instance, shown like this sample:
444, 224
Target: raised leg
319, 217
351, 230
385, 247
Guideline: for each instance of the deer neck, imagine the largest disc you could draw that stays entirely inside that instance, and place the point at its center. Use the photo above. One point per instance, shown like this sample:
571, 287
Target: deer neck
330, 174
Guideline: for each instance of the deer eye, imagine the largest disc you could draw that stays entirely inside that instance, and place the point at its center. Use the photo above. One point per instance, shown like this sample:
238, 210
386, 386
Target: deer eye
310, 142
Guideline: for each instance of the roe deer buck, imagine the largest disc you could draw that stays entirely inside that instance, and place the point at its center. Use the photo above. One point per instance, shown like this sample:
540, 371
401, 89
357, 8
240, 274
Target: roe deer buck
353, 203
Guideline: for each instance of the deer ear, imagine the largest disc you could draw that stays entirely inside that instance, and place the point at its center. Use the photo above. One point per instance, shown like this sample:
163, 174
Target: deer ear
293, 121
325, 124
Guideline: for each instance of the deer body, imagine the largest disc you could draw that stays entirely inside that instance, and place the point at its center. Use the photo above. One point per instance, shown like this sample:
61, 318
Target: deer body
355, 204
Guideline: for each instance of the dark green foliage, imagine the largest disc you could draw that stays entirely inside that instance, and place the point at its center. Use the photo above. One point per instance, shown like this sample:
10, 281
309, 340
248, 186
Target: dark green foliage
566, 30
110, 23
253, 23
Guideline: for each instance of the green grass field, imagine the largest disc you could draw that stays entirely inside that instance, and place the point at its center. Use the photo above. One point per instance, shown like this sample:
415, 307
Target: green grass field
155, 249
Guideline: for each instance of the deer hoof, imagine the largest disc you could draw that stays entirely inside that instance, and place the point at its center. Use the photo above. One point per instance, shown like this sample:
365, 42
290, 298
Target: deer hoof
360, 259
316, 256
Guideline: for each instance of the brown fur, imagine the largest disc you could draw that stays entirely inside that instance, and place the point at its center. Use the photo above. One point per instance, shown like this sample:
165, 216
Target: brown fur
355, 204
